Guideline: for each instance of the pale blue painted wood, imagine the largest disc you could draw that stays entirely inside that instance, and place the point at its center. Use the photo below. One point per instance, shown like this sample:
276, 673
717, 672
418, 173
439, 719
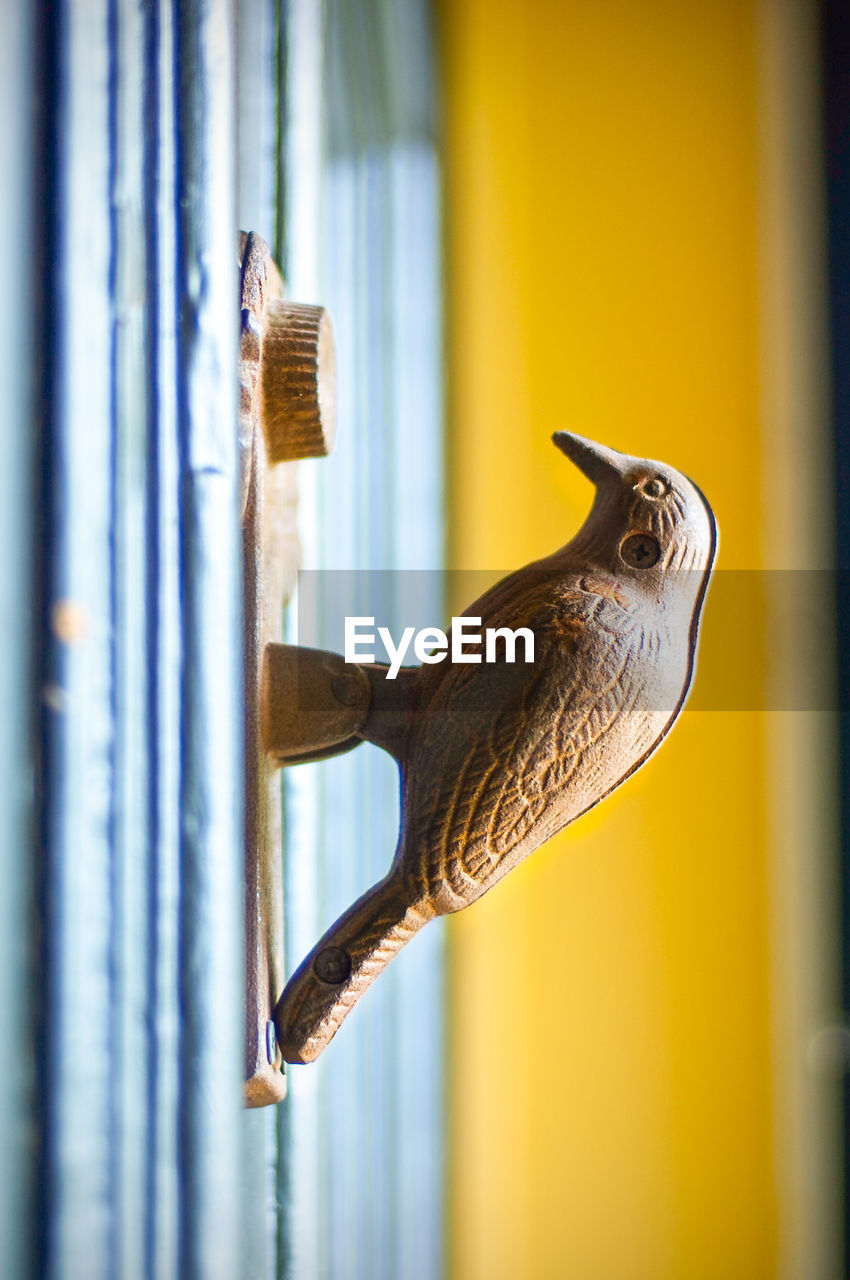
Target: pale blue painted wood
124, 1033
136, 929
165, 1077
79, 725
133, 923
366, 1122
259, 91
211, 954
18, 231
260, 62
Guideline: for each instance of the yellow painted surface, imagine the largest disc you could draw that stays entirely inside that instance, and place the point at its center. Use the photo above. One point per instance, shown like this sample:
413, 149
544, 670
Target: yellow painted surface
610, 1076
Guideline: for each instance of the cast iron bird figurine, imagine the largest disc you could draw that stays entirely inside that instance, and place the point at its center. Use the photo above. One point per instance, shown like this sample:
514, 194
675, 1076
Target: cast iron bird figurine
496, 758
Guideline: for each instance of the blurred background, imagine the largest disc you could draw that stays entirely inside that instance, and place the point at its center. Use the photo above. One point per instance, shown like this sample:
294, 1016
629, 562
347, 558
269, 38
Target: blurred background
625, 218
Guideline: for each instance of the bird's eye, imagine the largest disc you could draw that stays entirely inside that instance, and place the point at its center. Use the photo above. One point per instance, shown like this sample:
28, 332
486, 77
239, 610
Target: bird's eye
655, 487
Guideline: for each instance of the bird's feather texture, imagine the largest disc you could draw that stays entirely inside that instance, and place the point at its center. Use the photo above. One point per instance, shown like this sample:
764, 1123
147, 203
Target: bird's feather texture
510, 737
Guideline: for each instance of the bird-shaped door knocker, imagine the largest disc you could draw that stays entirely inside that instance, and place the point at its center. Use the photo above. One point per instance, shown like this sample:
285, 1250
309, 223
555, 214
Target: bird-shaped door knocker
497, 757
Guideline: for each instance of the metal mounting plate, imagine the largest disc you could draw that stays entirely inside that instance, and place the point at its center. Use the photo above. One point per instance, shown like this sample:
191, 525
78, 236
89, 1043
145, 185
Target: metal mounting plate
270, 557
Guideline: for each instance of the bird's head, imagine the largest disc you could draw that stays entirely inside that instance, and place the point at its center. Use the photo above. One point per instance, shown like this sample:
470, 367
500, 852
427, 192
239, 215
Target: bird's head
649, 523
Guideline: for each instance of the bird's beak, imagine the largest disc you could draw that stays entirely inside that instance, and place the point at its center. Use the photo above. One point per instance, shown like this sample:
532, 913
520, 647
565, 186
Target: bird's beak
593, 460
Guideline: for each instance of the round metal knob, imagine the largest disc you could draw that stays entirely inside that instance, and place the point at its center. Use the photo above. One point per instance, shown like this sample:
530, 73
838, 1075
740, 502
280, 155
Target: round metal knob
297, 376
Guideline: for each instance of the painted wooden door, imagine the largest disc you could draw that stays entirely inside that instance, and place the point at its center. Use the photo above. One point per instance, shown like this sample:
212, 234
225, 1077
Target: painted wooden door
144, 136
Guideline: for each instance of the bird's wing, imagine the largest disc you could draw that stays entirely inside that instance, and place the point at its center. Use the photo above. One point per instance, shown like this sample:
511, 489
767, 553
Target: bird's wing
499, 743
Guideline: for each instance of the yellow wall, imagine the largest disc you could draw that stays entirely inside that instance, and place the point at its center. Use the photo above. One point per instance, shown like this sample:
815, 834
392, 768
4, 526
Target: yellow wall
611, 1090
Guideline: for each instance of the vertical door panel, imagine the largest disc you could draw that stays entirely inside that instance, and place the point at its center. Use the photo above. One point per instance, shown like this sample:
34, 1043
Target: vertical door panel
365, 1123
140, 957
163, 127
17, 757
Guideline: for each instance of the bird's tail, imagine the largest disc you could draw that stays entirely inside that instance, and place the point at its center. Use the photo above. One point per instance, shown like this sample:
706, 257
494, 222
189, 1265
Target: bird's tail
333, 977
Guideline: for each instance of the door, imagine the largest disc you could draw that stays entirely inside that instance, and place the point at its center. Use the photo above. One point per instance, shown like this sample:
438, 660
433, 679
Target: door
145, 137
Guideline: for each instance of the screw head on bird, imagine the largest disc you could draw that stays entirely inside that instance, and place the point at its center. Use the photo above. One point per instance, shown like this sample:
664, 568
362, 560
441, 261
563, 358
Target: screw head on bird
496, 758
